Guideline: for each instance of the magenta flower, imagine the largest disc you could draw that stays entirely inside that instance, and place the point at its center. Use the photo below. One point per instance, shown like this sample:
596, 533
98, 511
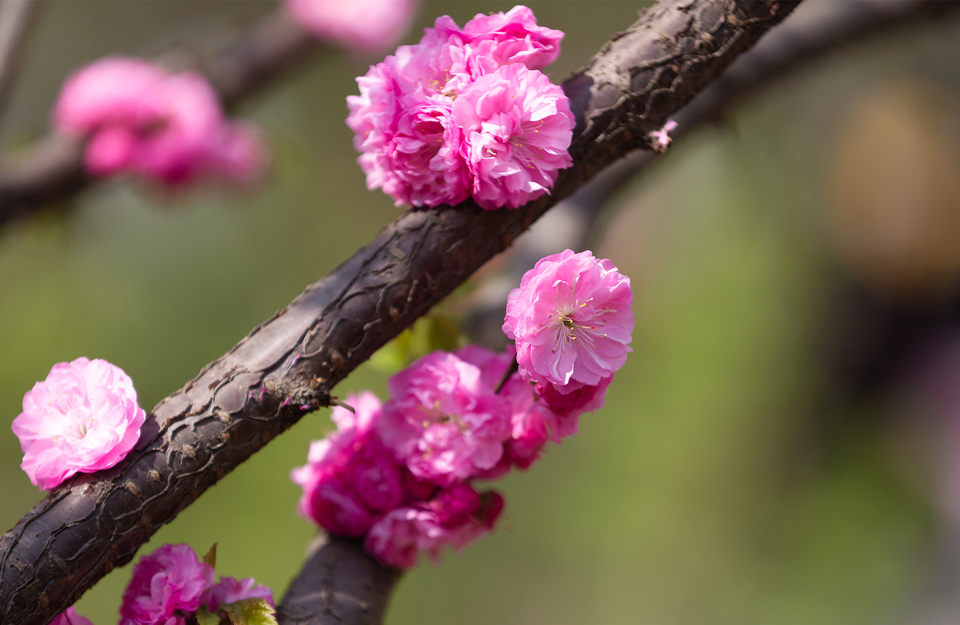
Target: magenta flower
517, 127
363, 25
572, 320
231, 590
70, 617
167, 128
442, 421
83, 418
401, 535
565, 409
166, 584
422, 147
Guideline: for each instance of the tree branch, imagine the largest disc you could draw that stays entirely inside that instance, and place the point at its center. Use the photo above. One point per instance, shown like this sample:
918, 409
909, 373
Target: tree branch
338, 584
15, 19
52, 170
286, 366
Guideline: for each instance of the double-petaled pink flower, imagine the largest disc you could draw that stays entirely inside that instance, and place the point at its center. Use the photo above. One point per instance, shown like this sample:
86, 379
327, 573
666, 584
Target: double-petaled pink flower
165, 127
165, 586
572, 320
83, 418
465, 111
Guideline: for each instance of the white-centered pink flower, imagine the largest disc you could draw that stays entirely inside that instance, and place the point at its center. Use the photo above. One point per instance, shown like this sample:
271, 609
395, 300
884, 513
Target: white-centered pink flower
167, 128
572, 321
363, 25
83, 418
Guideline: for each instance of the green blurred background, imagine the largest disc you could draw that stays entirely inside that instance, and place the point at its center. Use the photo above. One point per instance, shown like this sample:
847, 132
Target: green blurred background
777, 449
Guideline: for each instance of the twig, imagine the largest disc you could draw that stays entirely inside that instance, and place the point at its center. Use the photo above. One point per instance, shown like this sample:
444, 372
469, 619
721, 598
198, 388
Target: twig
15, 19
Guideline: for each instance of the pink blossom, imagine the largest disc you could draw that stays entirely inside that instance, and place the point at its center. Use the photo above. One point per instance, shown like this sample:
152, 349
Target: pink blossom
168, 128
70, 617
349, 476
513, 37
517, 127
83, 418
231, 590
443, 422
364, 25
571, 319
662, 137
565, 408
415, 146
401, 535
164, 585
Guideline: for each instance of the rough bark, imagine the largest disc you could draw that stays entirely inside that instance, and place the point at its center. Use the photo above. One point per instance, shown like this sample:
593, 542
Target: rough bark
286, 366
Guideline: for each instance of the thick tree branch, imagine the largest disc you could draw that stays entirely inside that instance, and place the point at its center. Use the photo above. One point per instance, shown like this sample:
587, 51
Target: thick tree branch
52, 170
287, 365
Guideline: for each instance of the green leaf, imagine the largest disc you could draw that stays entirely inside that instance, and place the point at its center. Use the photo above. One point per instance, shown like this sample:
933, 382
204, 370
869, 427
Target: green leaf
205, 618
251, 612
211, 557
428, 334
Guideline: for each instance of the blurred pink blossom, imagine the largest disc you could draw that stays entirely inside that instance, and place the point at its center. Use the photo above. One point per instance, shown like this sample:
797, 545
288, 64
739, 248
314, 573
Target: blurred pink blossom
231, 590
83, 418
401, 535
164, 585
572, 320
167, 128
363, 25
70, 617
565, 408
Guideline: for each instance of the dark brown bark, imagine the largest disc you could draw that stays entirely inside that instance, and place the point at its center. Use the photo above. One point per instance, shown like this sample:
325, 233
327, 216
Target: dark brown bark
286, 366
339, 583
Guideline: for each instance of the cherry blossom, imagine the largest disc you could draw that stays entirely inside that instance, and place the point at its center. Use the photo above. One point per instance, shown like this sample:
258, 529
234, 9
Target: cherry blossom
82, 418
572, 320
363, 25
164, 586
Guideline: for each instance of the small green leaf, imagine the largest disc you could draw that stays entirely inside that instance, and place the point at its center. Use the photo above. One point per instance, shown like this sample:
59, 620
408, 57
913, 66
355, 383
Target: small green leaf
211, 557
251, 612
205, 618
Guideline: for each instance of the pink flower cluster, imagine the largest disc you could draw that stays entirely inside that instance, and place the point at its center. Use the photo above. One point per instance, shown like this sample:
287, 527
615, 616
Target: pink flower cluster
165, 127
572, 321
464, 112
401, 473
170, 585
363, 25
83, 418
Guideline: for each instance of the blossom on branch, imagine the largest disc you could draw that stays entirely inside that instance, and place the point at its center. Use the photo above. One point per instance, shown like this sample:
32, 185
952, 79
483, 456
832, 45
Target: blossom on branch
82, 418
168, 128
572, 320
363, 25
465, 111
164, 586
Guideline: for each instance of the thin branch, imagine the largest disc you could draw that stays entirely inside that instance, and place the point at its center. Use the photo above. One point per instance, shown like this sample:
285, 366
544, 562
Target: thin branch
286, 366
814, 31
52, 170
15, 19
338, 584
